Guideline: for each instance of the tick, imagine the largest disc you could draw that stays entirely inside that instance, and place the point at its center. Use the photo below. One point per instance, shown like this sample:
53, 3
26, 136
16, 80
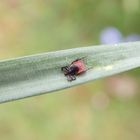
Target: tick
77, 67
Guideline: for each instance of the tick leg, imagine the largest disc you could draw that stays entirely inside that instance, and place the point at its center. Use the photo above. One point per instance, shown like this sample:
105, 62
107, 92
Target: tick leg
89, 68
65, 70
71, 78
82, 58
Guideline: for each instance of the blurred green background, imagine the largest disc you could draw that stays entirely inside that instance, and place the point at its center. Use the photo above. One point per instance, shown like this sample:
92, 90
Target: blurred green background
105, 109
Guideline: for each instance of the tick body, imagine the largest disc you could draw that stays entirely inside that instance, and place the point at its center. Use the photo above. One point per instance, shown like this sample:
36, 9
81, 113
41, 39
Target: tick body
77, 67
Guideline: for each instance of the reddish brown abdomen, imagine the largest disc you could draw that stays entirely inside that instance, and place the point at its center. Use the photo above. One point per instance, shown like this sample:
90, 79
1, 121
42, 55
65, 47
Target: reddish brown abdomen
80, 64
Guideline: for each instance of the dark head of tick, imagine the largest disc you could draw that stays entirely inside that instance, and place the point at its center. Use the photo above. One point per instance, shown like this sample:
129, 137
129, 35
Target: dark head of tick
77, 67
72, 70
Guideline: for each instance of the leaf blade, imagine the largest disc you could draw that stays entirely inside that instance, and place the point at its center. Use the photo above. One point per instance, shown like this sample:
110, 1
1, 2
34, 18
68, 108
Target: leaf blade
41, 73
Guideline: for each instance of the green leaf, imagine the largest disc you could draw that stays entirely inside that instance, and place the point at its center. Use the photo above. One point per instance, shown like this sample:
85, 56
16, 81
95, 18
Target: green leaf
41, 73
